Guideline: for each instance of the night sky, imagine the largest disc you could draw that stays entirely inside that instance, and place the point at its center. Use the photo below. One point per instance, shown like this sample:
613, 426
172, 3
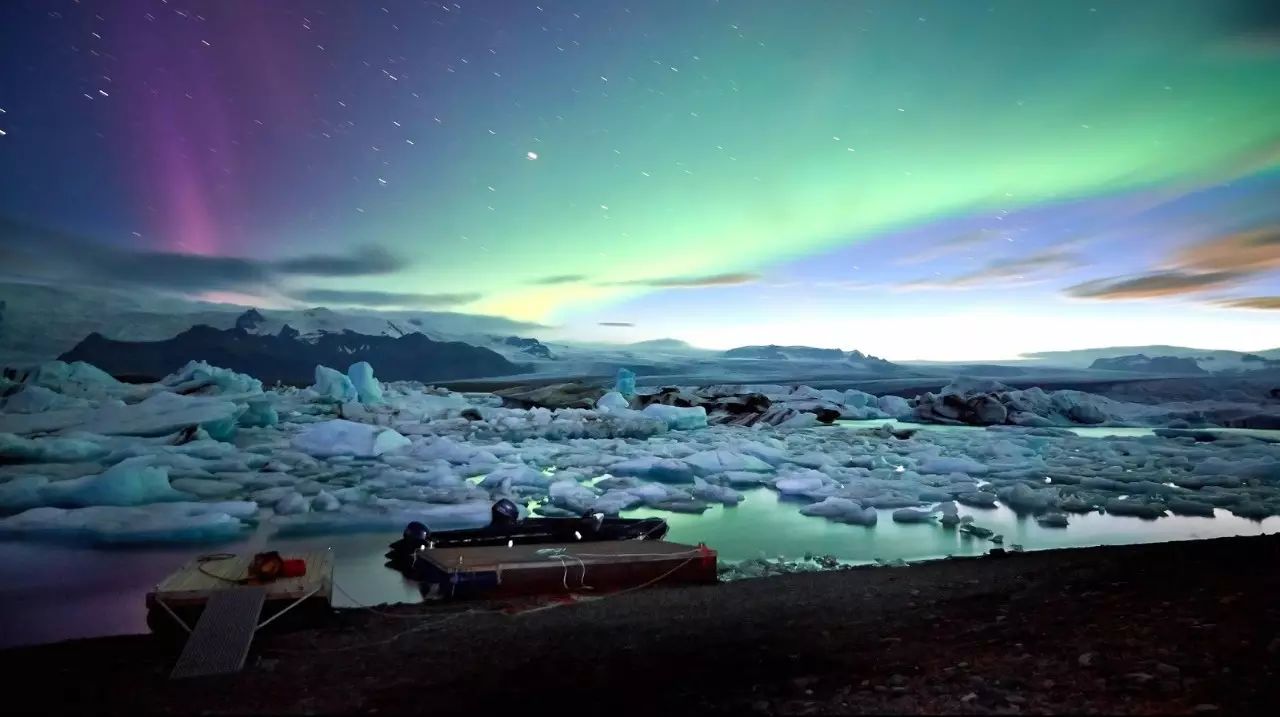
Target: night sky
940, 180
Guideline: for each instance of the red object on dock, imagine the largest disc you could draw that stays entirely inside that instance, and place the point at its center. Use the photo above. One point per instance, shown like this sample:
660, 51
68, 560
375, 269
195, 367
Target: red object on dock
295, 568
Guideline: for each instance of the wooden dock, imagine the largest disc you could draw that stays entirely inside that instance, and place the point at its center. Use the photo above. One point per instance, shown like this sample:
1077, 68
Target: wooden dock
558, 568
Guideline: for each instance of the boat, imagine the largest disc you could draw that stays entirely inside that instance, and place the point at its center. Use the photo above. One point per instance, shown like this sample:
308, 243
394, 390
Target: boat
506, 528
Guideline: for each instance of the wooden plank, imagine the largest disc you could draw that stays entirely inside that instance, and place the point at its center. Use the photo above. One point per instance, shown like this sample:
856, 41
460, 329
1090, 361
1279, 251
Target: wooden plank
220, 641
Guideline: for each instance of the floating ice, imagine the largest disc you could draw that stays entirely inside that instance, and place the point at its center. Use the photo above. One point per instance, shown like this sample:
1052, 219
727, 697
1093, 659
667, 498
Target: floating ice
159, 415
157, 523
841, 510
719, 461
345, 438
368, 390
36, 399
199, 378
715, 493
133, 481
15, 449
626, 383
612, 401
333, 386
911, 515
677, 418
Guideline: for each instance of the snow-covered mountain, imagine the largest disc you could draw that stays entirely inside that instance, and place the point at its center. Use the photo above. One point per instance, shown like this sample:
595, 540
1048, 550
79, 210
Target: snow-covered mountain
40, 322
1211, 360
1142, 363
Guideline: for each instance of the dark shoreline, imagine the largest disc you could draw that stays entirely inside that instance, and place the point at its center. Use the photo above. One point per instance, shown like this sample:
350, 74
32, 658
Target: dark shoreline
1159, 628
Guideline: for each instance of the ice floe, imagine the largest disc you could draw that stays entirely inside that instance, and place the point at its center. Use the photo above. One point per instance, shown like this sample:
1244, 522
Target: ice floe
206, 453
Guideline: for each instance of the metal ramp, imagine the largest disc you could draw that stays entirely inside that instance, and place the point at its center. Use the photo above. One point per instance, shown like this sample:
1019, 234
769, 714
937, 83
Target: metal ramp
220, 641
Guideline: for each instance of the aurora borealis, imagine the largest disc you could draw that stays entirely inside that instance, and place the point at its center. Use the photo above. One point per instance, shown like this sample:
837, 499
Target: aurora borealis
943, 179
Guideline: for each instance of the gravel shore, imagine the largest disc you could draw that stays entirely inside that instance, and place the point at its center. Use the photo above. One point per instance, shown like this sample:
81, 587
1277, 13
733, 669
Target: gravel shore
1187, 627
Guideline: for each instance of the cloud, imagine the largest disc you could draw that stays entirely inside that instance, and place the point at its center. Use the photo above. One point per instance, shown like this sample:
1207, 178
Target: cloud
690, 282
1003, 272
949, 246
381, 298
363, 261
1251, 251
1265, 303
559, 279
1153, 285
615, 323
43, 254
1214, 263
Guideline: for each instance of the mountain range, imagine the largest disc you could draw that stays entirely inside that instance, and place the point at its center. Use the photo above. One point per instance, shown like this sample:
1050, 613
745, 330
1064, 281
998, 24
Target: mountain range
288, 357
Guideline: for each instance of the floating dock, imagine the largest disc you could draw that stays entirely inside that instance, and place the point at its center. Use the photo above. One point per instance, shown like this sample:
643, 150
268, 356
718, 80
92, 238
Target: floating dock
560, 568
187, 591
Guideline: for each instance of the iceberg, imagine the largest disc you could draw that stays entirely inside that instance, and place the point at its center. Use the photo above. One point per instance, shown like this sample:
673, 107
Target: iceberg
612, 401
200, 378
367, 388
626, 383
333, 386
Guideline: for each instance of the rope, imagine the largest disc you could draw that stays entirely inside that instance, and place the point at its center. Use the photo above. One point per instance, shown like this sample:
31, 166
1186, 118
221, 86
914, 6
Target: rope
213, 557
395, 615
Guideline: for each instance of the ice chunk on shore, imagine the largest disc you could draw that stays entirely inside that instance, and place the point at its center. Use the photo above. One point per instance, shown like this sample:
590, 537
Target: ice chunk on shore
346, 438
157, 523
333, 386
368, 390
676, 417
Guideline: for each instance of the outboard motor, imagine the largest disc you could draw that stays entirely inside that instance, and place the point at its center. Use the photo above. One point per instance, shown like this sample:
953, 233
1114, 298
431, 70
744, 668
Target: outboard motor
504, 515
590, 524
416, 533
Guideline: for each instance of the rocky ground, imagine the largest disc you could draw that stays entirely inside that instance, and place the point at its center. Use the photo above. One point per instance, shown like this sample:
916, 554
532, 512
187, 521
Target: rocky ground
1189, 627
